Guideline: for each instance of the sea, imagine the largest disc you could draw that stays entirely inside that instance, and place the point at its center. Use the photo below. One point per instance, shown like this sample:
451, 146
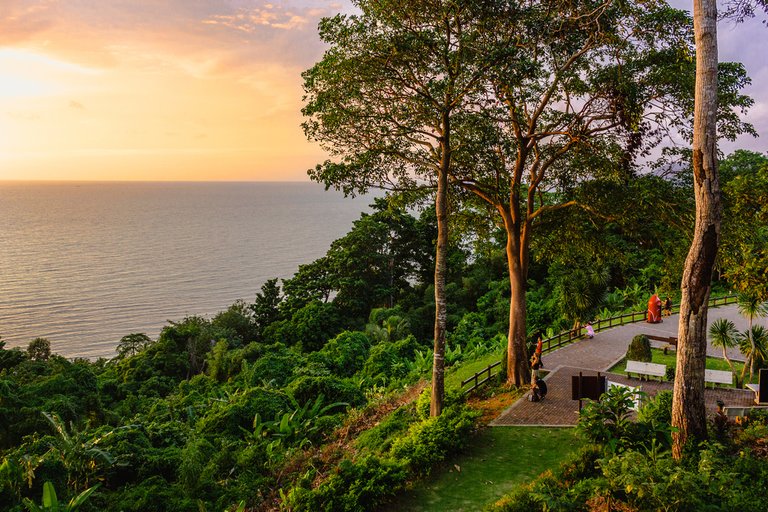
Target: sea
85, 263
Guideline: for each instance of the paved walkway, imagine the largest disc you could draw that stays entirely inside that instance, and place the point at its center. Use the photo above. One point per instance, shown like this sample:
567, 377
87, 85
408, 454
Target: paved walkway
600, 354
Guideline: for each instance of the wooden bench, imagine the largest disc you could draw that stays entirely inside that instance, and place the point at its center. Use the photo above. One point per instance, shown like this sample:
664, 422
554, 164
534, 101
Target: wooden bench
718, 377
647, 369
671, 341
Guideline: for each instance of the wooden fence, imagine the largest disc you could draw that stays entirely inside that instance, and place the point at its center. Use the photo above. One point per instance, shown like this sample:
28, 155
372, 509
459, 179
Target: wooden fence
568, 337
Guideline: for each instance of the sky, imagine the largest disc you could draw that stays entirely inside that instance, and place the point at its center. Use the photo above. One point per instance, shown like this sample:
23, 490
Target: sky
192, 89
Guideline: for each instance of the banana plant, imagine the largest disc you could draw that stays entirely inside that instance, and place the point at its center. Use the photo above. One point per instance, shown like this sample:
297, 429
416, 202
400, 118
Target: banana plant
79, 453
51, 503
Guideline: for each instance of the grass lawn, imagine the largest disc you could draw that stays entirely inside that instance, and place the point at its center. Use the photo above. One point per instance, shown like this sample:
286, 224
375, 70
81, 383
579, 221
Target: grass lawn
456, 374
658, 356
496, 461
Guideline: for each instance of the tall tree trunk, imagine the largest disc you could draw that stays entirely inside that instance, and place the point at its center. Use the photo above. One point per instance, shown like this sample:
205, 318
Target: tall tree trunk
441, 313
688, 411
518, 369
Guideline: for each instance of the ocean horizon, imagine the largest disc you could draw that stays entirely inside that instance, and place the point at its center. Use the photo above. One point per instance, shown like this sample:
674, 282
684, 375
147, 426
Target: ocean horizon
83, 263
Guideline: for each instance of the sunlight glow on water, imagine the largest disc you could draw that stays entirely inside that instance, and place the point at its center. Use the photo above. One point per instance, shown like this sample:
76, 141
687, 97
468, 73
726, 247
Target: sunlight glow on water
84, 264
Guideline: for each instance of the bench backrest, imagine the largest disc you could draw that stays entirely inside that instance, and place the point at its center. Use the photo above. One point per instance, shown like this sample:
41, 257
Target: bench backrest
658, 370
718, 376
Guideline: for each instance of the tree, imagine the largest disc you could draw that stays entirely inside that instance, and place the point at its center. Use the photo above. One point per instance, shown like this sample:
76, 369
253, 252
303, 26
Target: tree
584, 90
688, 413
131, 344
383, 101
723, 334
39, 349
751, 307
744, 252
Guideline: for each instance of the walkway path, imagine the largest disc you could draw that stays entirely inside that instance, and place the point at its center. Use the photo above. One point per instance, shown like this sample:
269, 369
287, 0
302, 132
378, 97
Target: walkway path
601, 353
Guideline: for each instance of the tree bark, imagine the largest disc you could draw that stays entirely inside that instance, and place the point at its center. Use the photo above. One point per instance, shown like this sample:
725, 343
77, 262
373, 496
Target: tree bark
441, 313
518, 369
688, 410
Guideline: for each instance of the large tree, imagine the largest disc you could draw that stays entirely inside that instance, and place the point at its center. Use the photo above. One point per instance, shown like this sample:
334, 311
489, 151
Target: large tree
587, 87
382, 102
688, 413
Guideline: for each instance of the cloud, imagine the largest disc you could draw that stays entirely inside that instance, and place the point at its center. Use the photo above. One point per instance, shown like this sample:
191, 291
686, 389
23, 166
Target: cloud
20, 20
251, 20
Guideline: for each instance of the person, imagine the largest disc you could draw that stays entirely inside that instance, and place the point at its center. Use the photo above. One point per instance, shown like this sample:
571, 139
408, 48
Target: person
654, 310
667, 306
535, 366
590, 330
539, 347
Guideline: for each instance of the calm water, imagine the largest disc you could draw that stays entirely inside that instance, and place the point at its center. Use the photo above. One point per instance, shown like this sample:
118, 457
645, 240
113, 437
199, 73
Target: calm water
84, 264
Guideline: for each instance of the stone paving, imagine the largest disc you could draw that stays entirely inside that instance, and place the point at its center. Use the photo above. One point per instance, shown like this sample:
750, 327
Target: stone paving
600, 354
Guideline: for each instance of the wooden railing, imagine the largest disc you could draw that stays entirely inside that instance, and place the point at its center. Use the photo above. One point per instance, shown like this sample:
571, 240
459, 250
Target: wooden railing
484, 372
568, 337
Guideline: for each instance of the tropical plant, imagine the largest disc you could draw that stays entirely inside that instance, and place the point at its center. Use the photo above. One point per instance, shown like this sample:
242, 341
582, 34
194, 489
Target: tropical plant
39, 349
78, 452
750, 307
131, 344
723, 334
50, 502
754, 345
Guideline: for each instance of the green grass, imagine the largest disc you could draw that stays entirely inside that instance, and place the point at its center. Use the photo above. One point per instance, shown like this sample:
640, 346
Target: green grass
456, 374
496, 461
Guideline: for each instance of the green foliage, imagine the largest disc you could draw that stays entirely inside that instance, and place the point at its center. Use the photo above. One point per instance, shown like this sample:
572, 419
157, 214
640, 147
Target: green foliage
307, 388
354, 486
431, 440
50, 502
639, 349
379, 439
39, 349
79, 453
230, 415
658, 410
608, 421
132, 344
345, 354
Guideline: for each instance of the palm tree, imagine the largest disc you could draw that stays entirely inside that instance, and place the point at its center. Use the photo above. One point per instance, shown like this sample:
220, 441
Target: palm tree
750, 307
723, 334
754, 345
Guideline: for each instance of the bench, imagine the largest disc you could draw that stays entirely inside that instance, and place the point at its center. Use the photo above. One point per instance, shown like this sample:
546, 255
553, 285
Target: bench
718, 377
671, 341
756, 389
736, 412
647, 369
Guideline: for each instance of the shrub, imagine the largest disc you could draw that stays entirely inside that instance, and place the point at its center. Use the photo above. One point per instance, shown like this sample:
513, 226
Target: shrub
431, 440
360, 485
658, 410
345, 354
227, 418
639, 349
276, 368
307, 388
608, 421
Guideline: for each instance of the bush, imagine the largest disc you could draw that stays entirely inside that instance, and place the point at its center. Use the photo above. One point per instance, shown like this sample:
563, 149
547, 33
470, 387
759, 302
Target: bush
639, 349
307, 388
430, 441
344, 355
355, 486
658, 410
227, 418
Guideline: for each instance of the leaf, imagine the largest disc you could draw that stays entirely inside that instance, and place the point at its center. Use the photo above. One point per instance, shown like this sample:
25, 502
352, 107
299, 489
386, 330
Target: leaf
49, 497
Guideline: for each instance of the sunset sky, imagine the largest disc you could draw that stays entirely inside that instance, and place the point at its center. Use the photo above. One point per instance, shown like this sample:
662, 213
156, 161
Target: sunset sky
191, 89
